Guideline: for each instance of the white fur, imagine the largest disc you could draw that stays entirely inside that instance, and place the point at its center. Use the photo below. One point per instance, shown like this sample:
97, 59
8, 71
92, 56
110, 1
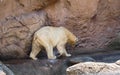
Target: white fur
50, 37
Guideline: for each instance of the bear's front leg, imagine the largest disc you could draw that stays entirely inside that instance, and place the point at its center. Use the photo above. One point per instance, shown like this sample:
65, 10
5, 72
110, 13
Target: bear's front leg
50, 54
68, 55
62, 50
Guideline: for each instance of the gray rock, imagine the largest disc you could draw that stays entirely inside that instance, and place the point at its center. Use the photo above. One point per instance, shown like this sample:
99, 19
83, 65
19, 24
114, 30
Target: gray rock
76, 60
39, 67
111, 58
5, 70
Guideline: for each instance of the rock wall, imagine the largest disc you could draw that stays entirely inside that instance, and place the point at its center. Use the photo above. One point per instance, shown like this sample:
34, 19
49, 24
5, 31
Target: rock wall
94, 22
19, 19
16, 33
17, 7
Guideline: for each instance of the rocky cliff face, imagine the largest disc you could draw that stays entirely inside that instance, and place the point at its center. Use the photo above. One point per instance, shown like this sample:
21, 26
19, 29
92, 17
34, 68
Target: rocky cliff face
95, 22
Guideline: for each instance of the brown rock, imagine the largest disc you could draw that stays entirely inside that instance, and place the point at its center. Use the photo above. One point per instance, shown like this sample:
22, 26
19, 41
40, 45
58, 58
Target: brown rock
17, 7
95, 22
16, 34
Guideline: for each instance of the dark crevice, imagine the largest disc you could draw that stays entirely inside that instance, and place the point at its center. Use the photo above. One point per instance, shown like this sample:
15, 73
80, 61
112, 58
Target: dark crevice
21, 23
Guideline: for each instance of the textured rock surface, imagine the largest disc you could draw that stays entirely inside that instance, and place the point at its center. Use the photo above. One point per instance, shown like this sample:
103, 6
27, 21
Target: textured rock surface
116, 43
95, 22
16, 34
4, 70
58, 67
118, 62
41, 67
17, 7
93, 68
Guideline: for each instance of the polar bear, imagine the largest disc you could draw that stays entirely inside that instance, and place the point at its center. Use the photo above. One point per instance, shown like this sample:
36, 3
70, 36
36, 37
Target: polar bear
50, 37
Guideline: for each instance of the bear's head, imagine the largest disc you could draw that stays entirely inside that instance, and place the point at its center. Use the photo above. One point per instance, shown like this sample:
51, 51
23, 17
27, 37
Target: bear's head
73, 40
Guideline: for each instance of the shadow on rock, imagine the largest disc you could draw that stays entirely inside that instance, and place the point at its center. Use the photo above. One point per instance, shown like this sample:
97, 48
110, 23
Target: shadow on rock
39, 67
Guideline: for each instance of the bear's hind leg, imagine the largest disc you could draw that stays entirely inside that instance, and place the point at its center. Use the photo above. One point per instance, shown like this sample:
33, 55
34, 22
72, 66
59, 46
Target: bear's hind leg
35, 50
33, 56
34, 53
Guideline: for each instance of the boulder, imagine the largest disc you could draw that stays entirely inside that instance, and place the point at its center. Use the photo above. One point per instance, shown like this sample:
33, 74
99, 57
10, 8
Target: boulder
2, 73
118, 62
94, 68
4, 70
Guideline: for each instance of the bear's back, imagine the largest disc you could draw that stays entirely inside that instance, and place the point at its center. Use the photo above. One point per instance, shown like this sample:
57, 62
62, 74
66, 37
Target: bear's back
50, 30
53, 34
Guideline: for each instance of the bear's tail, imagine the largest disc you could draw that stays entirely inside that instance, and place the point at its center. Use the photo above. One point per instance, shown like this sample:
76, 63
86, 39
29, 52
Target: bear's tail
35, 37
